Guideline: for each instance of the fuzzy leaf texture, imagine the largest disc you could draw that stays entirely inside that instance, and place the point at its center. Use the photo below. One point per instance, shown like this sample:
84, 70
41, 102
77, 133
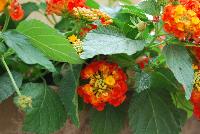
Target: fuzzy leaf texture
107, 41
49, 41
109, 121
6, 88
151, 7
180, 63
153, 112
26, 52
68, 86
133, 10
143, 81
47, 114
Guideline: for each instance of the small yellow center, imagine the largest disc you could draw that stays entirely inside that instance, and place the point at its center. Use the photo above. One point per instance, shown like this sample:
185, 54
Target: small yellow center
102, 84
72, 38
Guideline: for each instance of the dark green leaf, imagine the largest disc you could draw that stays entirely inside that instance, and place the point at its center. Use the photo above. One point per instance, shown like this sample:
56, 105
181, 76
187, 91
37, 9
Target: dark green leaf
6, 88
122, 60
29, 7
2, 48
68, 86
180, 63
47, 114
24, 49
182, 103
152, 112
108, 41
108, 121
65, 25
49, 41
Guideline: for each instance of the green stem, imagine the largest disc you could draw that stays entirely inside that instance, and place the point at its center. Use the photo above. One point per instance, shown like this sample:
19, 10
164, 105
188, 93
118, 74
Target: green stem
11, 76
157, 32
54, 18
6, 23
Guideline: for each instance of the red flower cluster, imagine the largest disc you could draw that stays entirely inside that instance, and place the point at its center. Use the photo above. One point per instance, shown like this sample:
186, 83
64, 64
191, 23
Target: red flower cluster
107, 84
195, 97
183, 20
142, 61
15, 10
87, 29
60, 6
196, 51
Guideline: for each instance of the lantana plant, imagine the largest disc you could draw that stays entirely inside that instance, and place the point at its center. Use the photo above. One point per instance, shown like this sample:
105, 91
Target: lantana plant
136, 63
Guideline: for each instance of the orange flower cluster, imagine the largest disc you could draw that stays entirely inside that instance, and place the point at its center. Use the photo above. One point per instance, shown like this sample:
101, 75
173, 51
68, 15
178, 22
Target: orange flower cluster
92, 15
195, 97
58, 7
107, 84
3, 5
183, 20
15, 10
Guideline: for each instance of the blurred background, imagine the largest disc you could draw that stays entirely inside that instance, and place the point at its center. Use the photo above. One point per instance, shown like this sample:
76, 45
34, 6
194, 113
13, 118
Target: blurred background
11, 118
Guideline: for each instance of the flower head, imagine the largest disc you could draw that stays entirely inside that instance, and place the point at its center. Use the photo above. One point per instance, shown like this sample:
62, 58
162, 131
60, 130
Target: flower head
15, 10
196, 52
195, 97
24, 102
77, 44
183, 20
3, 5
58, 7
91, 15
107, 84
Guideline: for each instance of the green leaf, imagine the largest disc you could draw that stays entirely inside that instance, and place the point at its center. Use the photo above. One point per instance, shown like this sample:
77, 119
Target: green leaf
166, 80
92, 4
2, 48
153, 112
108, 121
6, 88
133, 10
24, 49
49, 41
126, 1
43, 6
180, 63
108, 41
28, 8
68, 86
182, 103
47, 114
122, 60
150, 7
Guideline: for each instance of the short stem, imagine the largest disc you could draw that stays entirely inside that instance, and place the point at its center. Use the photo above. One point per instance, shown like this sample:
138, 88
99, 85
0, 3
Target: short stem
6, 23
11, 76
49, 20
54, 18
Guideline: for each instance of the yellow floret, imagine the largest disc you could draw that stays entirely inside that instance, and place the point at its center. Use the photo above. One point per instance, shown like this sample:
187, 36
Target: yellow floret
195, 20
180, 9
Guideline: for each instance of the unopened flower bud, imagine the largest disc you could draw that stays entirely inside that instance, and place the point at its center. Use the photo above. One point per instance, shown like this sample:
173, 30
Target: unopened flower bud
24, 102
